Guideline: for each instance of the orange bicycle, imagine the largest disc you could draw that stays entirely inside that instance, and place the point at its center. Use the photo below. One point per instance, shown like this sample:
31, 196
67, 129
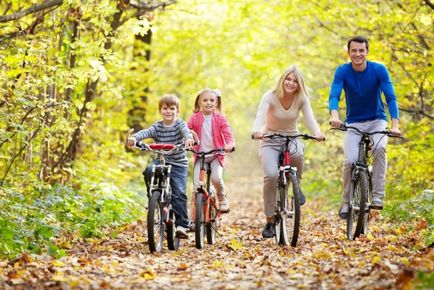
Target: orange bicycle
206, 211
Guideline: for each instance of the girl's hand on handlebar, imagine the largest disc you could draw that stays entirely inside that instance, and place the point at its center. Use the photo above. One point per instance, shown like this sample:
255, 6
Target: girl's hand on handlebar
229, 148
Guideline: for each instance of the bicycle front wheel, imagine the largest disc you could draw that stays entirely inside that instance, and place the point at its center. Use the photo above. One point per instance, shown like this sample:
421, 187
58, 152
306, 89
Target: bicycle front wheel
211, 227
289, 213
357, 218
155, 223
199, 222
172, 240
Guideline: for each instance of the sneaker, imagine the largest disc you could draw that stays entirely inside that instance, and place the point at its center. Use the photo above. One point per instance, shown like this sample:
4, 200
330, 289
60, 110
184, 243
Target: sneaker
302, 198
268, 231
181, 232
191, 225
377, 203
224, 206
343, 212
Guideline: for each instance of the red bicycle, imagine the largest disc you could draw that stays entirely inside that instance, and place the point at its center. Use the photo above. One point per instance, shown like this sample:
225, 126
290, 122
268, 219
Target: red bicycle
206, 211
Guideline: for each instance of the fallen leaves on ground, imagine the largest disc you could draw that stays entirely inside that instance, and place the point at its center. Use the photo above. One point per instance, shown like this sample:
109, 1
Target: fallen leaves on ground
388, 257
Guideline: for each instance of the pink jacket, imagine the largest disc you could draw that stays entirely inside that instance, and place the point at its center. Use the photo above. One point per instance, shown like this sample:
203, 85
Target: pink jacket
221, 131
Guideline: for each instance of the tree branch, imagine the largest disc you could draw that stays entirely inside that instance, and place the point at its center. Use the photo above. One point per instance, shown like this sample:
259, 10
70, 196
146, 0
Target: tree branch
33, 9
143, 6
429, 3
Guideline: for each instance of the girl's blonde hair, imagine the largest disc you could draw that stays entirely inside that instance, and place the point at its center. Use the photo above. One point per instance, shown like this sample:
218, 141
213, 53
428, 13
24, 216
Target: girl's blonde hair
215, 92
169, 100
301, 90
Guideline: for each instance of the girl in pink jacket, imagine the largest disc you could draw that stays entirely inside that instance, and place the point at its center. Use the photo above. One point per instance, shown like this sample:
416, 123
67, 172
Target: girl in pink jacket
214, 132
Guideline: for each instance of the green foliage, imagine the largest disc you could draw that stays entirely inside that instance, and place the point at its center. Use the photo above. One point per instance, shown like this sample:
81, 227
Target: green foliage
420, 208
31, 221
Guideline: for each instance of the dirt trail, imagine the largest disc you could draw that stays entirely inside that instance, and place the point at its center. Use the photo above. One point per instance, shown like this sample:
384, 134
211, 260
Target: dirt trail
241, 258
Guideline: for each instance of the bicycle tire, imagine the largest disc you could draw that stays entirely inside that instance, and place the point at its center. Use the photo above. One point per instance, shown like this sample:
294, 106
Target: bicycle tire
368, 205
290, 213
357, 211
211, 226
172, 240
155, 224
199, 223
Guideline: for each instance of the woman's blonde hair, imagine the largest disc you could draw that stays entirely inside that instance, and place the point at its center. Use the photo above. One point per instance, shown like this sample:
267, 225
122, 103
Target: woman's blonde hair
217, 95
301, 90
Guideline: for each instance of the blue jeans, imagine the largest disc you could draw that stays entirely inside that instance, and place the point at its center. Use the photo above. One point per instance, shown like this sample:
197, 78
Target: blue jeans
178, 183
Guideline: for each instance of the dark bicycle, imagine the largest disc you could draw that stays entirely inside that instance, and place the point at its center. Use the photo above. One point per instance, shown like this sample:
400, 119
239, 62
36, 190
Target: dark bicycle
361, 183
161, 216
288, 212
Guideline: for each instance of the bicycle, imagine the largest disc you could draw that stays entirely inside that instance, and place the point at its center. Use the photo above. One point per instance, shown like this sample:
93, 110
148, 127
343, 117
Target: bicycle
206, 210
361, 184
288, 212
161, 216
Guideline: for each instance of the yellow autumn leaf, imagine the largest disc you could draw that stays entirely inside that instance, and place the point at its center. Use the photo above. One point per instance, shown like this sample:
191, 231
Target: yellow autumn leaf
57, 263
218, 264
376, 259
236, 245
322, 255
182, 267
405, 261
370, 237
149, 274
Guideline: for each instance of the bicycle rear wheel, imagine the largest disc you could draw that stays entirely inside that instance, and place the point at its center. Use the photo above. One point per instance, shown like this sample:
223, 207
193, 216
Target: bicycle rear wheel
357, 214
289, 213
211, 227
155, 223
199, 222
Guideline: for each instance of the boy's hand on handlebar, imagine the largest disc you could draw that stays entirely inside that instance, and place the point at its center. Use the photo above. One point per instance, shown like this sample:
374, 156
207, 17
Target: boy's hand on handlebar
189, 143
131, 141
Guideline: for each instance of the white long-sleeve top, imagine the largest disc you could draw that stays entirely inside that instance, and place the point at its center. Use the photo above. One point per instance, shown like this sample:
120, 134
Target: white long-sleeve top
272, 117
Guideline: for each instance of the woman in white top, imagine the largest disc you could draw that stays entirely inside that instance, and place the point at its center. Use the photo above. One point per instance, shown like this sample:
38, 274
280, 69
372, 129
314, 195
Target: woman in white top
278, 113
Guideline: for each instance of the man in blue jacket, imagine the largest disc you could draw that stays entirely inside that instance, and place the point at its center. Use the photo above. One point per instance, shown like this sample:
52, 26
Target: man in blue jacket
363, 82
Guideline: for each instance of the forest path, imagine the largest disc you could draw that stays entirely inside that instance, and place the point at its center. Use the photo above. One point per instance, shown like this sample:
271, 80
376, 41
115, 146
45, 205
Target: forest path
241, 258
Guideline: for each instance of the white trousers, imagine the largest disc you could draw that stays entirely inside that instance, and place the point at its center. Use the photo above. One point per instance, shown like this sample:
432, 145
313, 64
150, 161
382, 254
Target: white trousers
379, 166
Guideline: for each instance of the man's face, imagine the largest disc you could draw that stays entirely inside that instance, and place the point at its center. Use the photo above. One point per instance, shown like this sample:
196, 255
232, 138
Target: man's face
169, 113
357, 53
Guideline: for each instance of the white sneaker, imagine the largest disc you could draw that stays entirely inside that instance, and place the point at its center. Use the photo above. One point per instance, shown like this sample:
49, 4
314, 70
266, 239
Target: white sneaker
224, 205
181, 232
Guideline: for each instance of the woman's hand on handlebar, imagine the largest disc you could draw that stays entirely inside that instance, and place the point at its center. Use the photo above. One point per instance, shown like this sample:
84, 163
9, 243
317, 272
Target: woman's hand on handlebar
319, 136
257, 135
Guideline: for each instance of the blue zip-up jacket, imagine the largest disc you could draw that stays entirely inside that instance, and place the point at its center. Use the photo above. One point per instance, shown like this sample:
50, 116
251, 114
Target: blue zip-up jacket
363, 92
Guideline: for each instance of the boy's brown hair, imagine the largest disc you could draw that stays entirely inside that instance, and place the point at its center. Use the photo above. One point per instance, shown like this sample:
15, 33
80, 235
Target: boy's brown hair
169, 100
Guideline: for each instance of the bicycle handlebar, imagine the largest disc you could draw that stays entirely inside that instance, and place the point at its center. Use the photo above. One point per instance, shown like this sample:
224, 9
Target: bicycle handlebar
218, 151
279, 135
385, 132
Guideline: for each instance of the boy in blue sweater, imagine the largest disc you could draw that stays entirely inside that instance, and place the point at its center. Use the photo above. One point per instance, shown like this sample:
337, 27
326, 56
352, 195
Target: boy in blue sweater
363, 82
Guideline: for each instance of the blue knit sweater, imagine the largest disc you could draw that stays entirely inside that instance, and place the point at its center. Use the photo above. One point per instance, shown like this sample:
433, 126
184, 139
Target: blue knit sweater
363, 92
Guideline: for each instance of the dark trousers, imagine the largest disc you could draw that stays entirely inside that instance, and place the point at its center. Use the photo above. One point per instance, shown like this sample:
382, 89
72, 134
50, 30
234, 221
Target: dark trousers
178, 183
